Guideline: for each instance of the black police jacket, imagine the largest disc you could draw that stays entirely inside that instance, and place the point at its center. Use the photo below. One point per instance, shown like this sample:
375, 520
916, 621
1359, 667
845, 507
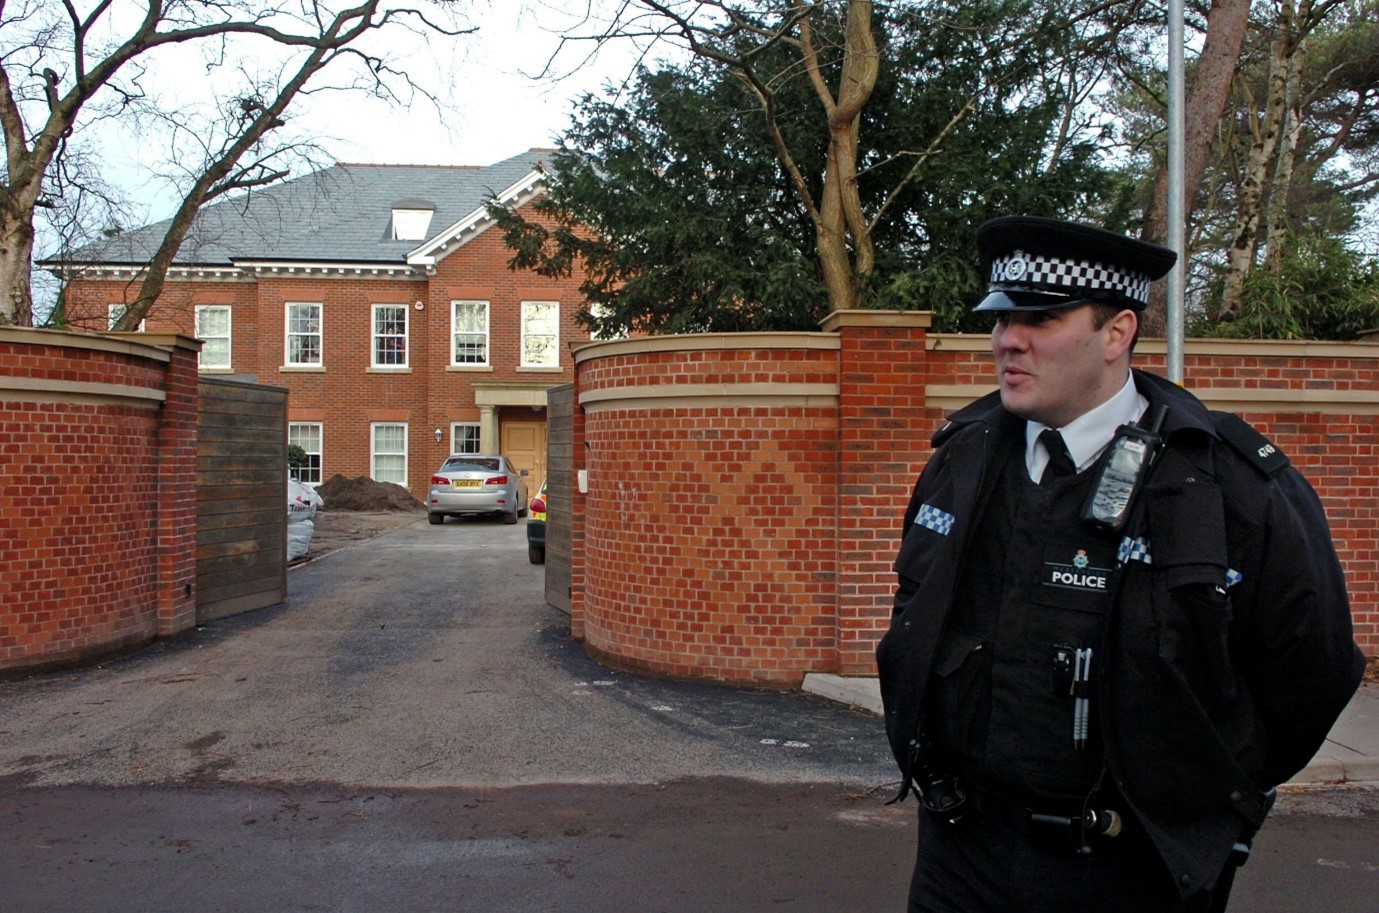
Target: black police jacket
1230, 643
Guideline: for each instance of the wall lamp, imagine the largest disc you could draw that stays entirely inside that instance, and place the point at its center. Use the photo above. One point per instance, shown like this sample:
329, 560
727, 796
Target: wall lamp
439, 435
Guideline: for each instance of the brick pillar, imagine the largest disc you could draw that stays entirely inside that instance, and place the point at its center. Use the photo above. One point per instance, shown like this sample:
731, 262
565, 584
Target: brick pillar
883, 427
176, 517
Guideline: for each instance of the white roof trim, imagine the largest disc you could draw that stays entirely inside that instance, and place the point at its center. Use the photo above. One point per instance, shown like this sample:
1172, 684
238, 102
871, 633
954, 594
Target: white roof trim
96, 271
460, 233
317, 268
247, 271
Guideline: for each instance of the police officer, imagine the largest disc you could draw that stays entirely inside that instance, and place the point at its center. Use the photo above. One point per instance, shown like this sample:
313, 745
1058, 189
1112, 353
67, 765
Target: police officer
1120, 620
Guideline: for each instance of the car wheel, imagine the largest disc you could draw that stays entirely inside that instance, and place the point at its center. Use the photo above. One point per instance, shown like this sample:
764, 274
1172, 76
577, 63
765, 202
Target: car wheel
536, 554
435, 519
510, 518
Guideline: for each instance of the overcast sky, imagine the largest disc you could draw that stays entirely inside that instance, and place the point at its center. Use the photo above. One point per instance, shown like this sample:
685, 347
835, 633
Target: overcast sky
496, 108
501, 110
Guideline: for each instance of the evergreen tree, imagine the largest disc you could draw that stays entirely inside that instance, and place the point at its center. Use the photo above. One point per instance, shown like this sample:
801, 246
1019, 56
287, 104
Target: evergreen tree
676, 202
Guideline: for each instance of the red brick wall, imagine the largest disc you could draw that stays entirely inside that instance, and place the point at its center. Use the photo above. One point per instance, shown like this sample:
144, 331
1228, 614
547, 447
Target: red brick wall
709, 536
745, 493
97, 544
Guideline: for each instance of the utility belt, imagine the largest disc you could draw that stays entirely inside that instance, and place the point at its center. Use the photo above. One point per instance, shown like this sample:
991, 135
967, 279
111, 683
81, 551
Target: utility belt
1066, 826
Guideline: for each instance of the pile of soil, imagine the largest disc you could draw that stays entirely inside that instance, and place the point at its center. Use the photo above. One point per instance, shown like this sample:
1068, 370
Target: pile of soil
364, 493
1372, 670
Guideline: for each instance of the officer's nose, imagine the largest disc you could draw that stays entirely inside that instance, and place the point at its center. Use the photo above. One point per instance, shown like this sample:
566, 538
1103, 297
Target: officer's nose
1009, 336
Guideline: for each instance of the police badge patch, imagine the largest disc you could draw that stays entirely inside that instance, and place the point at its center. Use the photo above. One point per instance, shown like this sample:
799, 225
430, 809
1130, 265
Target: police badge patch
1077, 572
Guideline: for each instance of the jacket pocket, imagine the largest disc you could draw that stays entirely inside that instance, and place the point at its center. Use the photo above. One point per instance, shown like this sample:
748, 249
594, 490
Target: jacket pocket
960, 700
1187, 527
1192, 607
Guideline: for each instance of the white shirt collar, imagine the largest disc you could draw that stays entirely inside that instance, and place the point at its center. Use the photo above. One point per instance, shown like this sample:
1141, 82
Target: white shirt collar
1088, 434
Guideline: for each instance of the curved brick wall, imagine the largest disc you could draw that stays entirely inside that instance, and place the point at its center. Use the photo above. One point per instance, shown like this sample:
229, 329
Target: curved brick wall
745, 491
97, 466
711, 537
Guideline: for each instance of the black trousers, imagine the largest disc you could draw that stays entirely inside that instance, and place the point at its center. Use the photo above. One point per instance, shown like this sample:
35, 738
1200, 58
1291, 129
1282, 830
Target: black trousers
991, 863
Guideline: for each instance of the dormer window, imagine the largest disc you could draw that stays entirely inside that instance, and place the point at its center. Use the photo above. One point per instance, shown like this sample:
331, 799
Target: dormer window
412, 219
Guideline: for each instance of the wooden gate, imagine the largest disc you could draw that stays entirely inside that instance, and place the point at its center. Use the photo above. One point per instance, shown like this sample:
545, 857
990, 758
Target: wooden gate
241, 498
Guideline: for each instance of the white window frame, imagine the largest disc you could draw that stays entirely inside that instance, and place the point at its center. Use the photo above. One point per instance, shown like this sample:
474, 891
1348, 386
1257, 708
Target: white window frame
377, 337
289, 334
464, 433
455, 333
319, 433
540, 344
411, 224
375, 452
203, 309
114, 312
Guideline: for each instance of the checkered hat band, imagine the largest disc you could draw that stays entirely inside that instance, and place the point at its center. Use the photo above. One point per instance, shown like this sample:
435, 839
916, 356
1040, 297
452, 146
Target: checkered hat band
1068, 275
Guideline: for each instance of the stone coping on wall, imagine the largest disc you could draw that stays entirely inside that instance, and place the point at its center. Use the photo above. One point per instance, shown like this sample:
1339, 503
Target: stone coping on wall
692, 342
949, 397
1236, 399
954, 396
690, 396
143, 345
866, 318
57, 389
1258, 348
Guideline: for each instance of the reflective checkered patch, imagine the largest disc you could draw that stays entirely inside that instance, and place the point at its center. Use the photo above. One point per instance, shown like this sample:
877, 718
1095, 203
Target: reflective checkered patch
1136, 549
940, 521
1057, 274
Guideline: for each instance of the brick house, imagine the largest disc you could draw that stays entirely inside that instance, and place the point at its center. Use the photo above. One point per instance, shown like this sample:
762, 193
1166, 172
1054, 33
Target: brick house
377, 296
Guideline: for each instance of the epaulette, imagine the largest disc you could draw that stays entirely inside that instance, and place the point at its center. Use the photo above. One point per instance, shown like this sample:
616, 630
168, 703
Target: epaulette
943, 434
1258, 450
986, 409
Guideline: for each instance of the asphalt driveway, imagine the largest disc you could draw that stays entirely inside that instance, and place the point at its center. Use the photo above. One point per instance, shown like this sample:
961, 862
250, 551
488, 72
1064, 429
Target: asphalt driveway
414, 730
425, 657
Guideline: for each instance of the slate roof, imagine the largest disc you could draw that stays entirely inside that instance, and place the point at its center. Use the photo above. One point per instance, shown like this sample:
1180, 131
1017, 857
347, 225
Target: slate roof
340, 214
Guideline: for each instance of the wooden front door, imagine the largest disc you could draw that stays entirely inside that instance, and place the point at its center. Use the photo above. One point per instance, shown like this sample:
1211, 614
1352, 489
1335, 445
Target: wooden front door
524, 443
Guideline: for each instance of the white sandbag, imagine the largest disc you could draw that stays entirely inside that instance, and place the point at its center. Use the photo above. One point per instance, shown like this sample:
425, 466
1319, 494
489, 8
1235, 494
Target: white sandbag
299, 538
302, 502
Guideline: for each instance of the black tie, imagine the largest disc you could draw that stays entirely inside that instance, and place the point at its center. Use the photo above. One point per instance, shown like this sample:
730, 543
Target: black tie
1060, 461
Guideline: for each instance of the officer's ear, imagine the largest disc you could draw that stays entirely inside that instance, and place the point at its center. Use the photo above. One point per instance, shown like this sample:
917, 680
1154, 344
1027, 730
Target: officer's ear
1121, 331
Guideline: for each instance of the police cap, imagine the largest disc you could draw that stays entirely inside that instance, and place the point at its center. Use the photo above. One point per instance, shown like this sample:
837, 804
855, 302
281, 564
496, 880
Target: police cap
1044, 264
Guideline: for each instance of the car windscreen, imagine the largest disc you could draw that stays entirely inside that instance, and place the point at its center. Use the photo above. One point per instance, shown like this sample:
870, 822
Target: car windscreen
470, 465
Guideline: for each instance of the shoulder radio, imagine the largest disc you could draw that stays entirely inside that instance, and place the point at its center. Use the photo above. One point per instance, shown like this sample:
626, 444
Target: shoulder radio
1123, 468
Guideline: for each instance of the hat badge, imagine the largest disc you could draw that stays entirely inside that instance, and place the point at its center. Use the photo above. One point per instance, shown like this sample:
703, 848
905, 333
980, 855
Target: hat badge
1016, 267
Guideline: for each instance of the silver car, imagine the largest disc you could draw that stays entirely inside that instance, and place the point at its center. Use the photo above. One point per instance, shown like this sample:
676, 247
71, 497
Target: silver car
469, 483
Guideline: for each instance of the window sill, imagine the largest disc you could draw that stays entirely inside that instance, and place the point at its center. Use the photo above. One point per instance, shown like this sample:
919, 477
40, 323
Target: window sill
471, 369
400, 369
538, 369
302, 369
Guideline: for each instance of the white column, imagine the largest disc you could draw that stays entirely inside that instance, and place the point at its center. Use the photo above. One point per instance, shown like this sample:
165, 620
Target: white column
488, 429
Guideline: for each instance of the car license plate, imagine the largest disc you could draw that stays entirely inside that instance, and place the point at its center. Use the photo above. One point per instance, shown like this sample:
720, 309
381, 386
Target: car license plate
466, 483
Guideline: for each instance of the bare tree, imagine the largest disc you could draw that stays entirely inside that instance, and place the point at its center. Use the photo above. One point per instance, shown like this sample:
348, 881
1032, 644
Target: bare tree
736, 35
64, 68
